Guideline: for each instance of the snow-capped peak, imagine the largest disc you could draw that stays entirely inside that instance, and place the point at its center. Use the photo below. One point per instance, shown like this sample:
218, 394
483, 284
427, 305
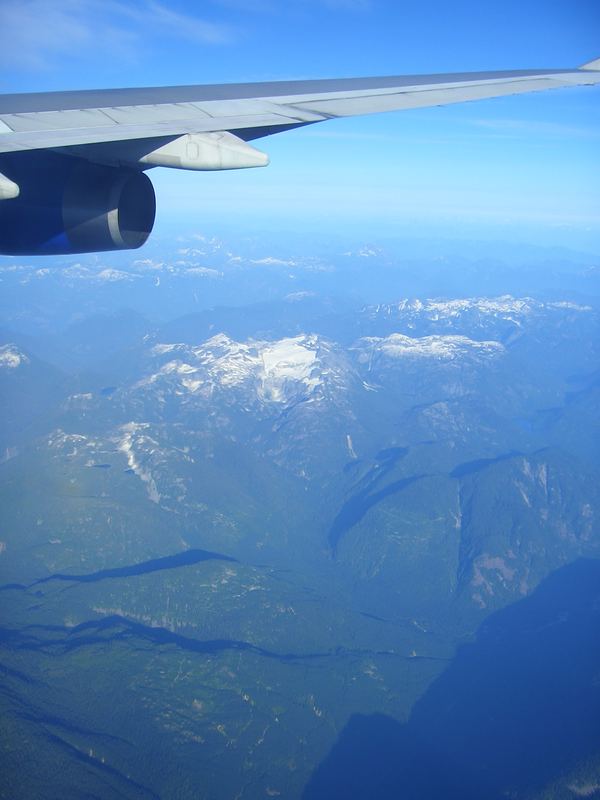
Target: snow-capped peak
397, 345
11, 357
503, 305
274, 372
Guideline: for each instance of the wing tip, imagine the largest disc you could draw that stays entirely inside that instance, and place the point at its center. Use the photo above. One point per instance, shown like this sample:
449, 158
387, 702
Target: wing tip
591, 66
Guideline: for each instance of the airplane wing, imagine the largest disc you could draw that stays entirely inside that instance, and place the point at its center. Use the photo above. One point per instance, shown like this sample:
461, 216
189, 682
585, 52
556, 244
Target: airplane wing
200, 127
59, 119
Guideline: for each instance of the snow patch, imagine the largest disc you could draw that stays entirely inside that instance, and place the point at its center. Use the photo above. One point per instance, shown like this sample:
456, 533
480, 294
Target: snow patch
286, 360
110, 275
274, 262
132, 435
350, 447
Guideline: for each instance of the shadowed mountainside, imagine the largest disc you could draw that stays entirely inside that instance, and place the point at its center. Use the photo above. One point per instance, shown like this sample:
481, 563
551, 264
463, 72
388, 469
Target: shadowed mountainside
516, 710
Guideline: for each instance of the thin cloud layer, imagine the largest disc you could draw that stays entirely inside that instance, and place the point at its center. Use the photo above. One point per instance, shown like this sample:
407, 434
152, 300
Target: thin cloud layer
35, 34
276, 7
536, 127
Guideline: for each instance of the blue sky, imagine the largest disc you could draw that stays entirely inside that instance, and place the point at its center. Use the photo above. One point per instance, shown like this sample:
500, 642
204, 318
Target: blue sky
525, 166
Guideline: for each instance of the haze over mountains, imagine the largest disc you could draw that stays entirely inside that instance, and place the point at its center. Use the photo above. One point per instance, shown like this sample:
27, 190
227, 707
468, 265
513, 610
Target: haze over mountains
264, 511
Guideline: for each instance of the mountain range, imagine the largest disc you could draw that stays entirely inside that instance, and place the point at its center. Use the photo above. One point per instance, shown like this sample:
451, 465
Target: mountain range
232, 536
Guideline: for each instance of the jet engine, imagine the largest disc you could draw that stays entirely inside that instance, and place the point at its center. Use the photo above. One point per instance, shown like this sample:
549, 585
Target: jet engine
65, 204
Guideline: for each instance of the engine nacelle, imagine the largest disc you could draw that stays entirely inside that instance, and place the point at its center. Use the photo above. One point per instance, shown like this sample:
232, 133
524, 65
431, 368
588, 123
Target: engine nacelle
69, 205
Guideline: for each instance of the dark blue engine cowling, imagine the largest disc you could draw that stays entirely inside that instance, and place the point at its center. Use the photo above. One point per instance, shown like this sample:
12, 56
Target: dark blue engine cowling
70, 205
